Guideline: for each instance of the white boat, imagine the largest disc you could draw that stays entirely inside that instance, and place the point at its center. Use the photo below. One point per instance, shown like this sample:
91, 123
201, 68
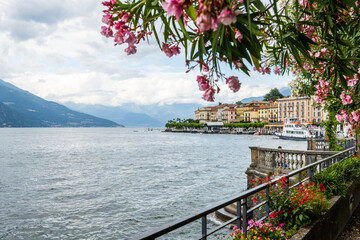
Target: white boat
294, 130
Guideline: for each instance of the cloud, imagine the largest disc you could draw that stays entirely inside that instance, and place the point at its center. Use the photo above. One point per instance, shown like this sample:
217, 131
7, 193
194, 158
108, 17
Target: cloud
54, 49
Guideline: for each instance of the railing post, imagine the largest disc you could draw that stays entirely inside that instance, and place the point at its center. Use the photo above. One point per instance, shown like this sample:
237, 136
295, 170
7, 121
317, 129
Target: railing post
204, 228
238, 214
287, 186
267, 201
299, 177
244, 217
310, 173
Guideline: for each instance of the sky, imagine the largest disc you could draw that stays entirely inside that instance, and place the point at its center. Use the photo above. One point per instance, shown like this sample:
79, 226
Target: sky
54, 49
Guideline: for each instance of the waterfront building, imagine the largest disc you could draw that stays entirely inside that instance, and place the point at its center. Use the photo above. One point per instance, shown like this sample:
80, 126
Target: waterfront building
248, 107
206, 114
240, 117
229, 115
273, 112
300, 108
251, 115
212, 114
220, 108
263, 113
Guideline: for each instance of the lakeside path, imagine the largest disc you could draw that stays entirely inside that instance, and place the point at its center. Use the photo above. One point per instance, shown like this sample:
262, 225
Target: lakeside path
352, 228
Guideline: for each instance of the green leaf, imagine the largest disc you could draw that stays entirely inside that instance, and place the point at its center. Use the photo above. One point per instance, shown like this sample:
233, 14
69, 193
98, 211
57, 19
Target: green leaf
155, 34
351, 3
191, 12
193, 50
181, 23
255, 61
202, 45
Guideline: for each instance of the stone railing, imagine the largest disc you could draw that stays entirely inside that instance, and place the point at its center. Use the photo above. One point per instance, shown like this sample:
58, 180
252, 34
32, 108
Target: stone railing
322, 145
265, 160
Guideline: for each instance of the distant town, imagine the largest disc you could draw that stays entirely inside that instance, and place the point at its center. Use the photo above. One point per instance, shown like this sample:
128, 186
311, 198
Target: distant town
301, 108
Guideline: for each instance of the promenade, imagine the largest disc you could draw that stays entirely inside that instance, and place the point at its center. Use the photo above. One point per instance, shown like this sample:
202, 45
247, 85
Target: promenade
352, 228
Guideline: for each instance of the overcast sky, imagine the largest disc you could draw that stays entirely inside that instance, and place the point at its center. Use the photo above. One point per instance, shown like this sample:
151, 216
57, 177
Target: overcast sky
54, 49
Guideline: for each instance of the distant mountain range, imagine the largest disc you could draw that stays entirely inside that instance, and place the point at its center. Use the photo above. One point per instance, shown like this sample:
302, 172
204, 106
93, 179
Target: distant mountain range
132, 115
284, 91
19, 108
153, 115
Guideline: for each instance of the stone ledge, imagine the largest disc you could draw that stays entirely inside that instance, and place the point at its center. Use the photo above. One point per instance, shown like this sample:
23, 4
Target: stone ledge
334, 221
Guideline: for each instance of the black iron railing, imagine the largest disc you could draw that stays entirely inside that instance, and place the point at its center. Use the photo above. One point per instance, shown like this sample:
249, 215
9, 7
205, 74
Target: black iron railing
243, 209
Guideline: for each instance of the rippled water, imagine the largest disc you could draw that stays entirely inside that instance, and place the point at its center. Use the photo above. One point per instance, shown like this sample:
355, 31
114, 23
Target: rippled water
114, 183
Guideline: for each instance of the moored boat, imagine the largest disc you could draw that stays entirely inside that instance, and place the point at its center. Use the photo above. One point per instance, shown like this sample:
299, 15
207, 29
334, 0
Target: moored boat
294, 130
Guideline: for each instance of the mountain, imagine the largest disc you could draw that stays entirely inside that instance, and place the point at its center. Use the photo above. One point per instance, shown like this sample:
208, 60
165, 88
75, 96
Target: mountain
133, 115
117, 114
19, 108
284, 91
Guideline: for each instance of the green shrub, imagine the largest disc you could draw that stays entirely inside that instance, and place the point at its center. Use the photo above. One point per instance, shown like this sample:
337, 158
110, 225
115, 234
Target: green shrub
337, 177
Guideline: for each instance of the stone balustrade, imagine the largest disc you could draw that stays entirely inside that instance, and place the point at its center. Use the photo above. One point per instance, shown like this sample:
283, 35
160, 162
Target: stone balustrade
265, 160
322, 145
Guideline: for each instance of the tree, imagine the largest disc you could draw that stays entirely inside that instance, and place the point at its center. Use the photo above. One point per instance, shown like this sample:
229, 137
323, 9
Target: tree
273, 95
239, 103
316, 39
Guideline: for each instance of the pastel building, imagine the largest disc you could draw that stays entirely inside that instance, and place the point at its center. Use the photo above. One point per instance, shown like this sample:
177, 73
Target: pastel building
229, 115
300, 108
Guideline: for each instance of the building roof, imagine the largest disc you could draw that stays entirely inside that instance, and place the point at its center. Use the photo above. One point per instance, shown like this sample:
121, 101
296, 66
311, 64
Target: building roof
229, 110
254, 102
226, 105
292, 98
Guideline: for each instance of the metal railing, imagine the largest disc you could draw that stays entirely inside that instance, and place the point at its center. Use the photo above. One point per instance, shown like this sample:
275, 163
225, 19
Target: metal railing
243, 210
322, 144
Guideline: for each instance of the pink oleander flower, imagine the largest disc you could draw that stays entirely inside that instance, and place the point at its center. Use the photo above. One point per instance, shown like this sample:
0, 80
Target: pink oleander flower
170, 51
277, 71
339, 118
227, 17
173, 8
107, 19
240, 1
206, 22
109, 3
346, 99
130, 38
167, 50
106, 31
125, 17
238, 36
209, 94
131, 49
351, 82
175, 50
323, 50
317, 54
355, 116
233, 83
203, 83
119, 38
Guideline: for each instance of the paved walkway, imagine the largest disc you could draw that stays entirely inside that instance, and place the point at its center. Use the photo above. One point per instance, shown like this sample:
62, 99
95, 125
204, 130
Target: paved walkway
352, 228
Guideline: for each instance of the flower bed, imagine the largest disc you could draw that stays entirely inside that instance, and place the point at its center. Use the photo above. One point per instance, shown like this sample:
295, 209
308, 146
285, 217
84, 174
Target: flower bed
319, 210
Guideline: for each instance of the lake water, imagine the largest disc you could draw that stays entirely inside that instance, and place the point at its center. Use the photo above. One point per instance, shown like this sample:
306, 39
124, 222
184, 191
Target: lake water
114, 183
